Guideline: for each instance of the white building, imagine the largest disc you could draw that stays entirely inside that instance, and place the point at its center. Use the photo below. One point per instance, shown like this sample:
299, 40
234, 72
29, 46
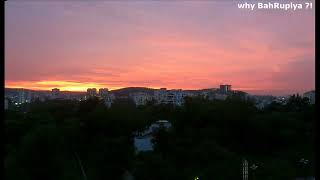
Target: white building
106, 96
143, 140
160, 96
175, 96
311, 95
140, 98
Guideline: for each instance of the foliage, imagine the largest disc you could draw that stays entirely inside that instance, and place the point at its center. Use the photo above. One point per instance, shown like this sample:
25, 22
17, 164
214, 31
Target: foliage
208, 139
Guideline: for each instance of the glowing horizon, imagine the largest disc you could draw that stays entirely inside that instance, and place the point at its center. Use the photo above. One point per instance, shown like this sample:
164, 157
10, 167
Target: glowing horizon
175, 45
82, 87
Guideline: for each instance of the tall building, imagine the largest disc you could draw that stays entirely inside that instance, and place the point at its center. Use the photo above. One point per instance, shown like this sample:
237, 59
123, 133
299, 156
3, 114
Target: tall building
28, 96
24, 96
225, 88
311, 95
21, 96
106, 96
103, 92
91, 92
175, 97
55, 93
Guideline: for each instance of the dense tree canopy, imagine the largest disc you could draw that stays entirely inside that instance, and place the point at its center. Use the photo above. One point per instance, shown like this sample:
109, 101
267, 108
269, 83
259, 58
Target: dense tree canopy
209, 139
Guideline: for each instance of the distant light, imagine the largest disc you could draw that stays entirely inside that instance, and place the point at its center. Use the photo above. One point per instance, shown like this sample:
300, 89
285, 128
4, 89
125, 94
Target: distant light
196, 178
16, 103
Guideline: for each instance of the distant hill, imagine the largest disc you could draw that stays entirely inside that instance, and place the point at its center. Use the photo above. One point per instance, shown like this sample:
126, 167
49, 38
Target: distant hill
311, 91
129, 90
19, 89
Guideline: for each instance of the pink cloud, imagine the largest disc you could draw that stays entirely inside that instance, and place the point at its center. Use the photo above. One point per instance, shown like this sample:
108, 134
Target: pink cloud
159, 44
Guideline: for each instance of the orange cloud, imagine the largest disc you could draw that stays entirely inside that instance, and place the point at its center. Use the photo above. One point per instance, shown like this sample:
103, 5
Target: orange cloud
62, 85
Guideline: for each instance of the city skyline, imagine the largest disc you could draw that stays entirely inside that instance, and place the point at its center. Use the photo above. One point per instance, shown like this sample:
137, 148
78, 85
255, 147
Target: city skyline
189, 45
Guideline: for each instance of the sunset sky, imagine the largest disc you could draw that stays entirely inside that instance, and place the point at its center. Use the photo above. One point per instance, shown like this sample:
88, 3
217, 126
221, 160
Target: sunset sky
76, 45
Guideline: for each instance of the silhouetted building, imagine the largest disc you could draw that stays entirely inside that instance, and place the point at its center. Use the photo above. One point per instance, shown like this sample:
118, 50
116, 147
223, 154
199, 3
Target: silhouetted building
91, 92
311, 95
103, 92
55, 93
105, 95
225, 88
